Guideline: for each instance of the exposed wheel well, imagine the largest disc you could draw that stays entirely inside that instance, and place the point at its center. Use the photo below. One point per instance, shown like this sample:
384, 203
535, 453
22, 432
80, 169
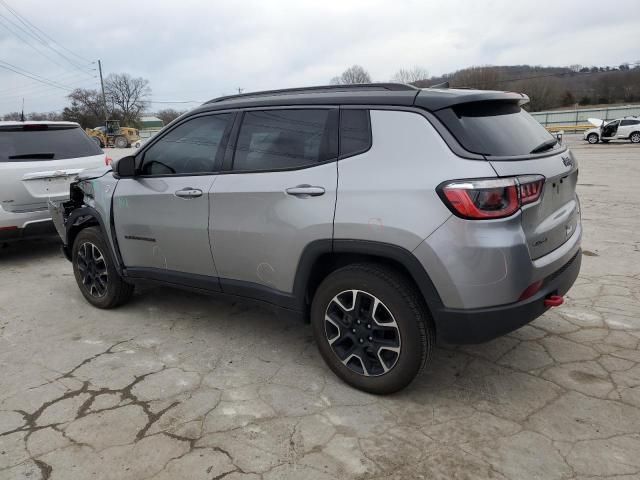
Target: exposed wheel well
331, 261
80, 224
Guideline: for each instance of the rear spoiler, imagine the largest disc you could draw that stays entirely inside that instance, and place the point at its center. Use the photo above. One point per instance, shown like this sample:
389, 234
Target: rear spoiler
434, 99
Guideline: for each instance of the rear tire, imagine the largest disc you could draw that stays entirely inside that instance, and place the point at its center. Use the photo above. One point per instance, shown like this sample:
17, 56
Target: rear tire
372, 327
95, 271
121, 142
635, 137
592, 138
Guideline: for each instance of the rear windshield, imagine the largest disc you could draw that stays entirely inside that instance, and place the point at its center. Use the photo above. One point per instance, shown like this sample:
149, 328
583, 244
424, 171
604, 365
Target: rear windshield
496, 129
44, 142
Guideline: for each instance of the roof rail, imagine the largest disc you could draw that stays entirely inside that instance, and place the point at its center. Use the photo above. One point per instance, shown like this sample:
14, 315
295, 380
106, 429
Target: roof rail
319, 89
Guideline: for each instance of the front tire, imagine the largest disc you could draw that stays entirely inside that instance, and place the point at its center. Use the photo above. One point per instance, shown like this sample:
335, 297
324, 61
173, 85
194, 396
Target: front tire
372, 327
121, 142
95, 271
635, 137
592, 138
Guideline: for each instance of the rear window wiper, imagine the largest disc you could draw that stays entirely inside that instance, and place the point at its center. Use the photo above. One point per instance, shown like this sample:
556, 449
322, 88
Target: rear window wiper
546, 145
46, 156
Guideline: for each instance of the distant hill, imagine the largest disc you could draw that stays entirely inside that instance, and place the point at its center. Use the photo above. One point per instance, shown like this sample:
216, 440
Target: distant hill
552, 87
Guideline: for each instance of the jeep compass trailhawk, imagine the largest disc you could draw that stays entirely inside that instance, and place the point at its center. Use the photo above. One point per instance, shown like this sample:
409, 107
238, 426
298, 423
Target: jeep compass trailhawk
386, 214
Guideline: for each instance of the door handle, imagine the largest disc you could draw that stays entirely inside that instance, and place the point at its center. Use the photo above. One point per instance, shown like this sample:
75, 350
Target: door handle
304, 191
189, 192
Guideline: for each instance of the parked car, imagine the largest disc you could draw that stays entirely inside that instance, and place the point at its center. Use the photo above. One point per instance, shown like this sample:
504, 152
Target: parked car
627, 128
387, 215
145, 136
38, 160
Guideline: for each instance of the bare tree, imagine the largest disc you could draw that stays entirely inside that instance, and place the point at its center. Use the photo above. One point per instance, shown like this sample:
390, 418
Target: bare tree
12, 116
543, 93
483, 78
168, 115
353, 74
89, 104
128, 95
51, 116
410, 75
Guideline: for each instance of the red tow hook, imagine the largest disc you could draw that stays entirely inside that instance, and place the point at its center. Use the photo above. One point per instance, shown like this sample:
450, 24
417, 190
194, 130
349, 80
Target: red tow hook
553, 301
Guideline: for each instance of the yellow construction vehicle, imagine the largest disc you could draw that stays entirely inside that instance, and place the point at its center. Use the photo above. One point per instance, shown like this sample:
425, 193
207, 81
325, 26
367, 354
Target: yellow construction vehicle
113, 135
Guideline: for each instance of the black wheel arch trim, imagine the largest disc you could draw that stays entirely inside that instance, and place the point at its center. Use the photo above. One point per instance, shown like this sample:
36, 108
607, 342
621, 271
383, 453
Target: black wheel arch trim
381, 250
84, 217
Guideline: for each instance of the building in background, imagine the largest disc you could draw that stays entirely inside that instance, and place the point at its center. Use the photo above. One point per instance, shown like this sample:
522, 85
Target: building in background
151, 123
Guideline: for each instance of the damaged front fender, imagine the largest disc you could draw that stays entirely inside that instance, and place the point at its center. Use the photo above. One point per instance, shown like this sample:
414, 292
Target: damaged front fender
89, 204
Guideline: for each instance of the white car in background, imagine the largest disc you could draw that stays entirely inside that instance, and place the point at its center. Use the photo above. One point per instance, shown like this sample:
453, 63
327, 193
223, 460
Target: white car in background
627, 128
38, 161
145, 136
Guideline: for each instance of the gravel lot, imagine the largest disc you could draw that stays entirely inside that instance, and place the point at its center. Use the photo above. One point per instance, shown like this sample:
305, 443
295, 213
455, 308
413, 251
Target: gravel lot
175, 385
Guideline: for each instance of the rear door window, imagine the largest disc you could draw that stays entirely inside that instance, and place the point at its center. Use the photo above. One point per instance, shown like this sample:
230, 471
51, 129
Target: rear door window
286, 139
497, 129
355, 132
31, 143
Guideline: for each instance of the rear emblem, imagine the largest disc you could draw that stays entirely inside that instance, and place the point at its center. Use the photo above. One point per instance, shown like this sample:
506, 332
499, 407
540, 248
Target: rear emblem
568, 161
568, 229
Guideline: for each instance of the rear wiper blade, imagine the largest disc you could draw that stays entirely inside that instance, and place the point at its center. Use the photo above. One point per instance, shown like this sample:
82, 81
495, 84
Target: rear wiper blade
48, 156
546, 145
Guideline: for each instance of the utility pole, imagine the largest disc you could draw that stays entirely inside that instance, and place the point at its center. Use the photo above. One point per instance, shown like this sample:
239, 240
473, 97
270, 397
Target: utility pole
104, 99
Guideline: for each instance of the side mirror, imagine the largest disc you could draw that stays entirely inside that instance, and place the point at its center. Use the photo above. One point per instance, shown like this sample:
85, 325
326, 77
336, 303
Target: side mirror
126, 166
559, 136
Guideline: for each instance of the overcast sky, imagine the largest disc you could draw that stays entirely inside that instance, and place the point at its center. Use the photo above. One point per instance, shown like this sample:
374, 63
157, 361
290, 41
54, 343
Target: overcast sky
197, 50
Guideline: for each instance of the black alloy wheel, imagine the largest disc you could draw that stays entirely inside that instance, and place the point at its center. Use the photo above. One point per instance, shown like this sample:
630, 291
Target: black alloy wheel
362, 333
93, 271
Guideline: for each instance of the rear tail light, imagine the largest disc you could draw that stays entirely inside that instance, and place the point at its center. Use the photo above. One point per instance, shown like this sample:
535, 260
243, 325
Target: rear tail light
478, 199
108, 160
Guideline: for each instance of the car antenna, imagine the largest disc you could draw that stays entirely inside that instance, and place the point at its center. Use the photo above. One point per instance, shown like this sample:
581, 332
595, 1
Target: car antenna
22, 113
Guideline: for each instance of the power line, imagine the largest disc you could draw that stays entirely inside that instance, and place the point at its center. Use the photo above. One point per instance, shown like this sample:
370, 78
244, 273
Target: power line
33, 76
64, 78
32, 31
23, 20
42, 89
20, 31
24, 40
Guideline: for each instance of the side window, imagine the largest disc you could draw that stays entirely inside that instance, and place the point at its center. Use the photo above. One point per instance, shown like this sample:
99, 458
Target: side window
355, 132
283, 139
189, 148
625, 123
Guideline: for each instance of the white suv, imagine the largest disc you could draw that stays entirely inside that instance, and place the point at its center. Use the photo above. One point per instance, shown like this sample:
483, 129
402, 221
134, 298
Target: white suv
627, 128
38, 161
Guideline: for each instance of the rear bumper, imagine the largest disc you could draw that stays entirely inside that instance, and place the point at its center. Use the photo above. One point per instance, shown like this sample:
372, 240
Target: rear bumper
462, 326
18, 225
35, 229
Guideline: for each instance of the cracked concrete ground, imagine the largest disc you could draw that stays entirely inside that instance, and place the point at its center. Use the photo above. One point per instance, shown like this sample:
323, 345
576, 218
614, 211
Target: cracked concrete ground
175, 385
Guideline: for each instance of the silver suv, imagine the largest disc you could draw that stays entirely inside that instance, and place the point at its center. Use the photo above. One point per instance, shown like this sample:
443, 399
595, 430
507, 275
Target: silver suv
387, 215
